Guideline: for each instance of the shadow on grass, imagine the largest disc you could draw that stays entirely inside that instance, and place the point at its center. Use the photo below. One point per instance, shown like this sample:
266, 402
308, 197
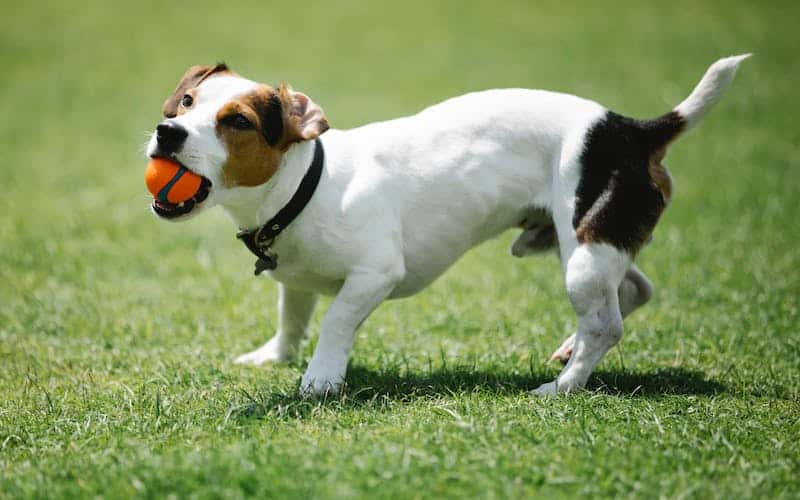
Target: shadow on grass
377, 388
663, 381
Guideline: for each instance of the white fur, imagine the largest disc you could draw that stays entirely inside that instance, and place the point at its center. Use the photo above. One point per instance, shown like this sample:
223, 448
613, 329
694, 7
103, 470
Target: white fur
400, 201
709, 91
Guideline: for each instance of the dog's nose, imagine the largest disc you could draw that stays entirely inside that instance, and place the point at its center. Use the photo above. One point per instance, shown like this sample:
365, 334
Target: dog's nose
170, 136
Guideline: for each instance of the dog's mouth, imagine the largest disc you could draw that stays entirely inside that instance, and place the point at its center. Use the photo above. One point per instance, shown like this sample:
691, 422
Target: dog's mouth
168, 210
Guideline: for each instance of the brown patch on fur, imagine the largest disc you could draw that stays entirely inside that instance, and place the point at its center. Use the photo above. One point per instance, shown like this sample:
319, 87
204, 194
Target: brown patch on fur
660, 175
280, 117
251, 160
193, 77
582, 235
588, 232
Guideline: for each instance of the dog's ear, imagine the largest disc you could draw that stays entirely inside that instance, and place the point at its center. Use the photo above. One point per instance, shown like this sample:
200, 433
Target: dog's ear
305, 120
193, 77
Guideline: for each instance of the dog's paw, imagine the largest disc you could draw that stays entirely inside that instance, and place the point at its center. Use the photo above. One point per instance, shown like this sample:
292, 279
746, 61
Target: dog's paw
548, 389
563, 353
323, 381
271, 352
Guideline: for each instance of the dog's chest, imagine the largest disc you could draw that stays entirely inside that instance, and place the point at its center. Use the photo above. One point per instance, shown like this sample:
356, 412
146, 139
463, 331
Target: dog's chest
304, 264
299, 277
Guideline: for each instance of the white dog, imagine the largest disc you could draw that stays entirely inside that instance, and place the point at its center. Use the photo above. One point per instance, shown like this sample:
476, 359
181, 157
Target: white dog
378, 212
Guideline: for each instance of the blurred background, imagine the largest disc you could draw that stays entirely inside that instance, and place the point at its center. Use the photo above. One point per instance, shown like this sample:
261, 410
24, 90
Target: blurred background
128, 325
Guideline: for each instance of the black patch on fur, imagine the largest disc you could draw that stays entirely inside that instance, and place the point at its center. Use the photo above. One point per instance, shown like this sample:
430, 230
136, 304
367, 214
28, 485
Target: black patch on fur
271, 115
615, 175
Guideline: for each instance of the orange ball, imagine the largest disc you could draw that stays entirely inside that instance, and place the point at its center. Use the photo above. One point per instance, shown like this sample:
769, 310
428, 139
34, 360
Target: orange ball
170, 182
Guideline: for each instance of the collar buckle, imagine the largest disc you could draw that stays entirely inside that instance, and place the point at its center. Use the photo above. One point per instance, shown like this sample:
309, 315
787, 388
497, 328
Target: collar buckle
261, 247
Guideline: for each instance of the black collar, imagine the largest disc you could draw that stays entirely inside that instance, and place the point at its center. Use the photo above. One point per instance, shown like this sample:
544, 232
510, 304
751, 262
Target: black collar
260, 239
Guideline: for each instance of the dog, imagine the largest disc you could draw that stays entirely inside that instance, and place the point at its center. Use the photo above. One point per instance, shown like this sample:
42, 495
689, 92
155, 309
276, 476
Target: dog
380, 211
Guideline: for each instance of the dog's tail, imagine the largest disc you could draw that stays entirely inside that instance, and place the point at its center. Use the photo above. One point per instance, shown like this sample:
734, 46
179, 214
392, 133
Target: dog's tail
706, 94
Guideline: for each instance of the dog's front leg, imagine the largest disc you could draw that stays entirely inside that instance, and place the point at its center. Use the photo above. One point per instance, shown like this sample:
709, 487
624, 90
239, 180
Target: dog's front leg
294, 311
361, 293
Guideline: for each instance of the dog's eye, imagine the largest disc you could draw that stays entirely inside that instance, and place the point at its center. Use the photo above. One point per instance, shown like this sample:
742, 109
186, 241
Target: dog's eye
187, 101
238, 121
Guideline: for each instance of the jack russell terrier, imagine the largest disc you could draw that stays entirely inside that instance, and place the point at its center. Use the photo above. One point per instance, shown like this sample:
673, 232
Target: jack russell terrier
378, 212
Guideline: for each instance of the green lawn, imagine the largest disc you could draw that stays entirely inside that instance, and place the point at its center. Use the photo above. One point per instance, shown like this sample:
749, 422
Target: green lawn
117, 331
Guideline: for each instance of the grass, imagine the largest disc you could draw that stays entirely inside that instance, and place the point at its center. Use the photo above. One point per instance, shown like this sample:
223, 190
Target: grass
117, 331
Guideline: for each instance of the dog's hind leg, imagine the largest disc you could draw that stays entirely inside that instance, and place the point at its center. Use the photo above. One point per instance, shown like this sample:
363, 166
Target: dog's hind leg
294, 312
594, 273
634, 292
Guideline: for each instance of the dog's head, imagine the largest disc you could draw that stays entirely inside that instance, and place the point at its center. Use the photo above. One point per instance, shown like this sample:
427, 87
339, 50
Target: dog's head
232, 131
